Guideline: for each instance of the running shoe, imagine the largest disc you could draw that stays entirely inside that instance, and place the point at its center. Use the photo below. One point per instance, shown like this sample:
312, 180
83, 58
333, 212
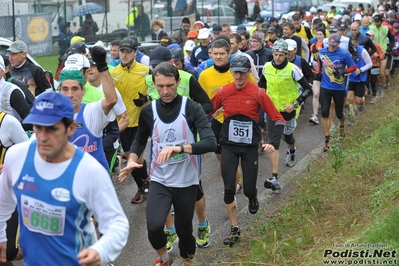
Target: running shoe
233, 238
253, 206
272, 183
159, 262
373, 100
203, 236
139, 197
314, 119
327, 146
290, 158
171, 238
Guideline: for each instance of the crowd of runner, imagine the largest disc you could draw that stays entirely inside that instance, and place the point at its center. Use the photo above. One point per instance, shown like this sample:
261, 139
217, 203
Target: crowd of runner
205, 90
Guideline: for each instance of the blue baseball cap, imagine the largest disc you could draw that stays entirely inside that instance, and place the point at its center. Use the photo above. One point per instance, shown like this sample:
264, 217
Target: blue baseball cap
49, 108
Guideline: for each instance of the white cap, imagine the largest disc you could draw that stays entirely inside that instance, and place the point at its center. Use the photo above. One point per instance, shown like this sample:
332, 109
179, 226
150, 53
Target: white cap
204, 33
358, 17
189, 45
100, 43
291, 44
313, 10
2, 65
381, 8
76, 62
285, 16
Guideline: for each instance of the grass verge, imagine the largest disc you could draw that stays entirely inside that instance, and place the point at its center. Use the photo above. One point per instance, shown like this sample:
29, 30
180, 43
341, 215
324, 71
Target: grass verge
347, 200
48, 62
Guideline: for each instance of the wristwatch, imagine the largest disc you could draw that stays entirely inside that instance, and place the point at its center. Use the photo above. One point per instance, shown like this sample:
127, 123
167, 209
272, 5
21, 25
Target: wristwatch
295, 105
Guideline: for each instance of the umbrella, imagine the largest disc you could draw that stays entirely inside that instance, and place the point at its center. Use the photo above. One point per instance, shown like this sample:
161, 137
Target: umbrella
88, 8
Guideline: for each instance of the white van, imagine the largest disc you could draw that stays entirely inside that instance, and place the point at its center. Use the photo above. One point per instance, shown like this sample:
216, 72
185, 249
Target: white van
355, 3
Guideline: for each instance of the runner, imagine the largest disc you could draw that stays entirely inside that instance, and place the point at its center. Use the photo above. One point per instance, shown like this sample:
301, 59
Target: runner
57, 188
172, 122
281, 79
240, 136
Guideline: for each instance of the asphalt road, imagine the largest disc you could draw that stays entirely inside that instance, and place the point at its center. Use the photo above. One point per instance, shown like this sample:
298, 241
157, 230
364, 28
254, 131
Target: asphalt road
138, 250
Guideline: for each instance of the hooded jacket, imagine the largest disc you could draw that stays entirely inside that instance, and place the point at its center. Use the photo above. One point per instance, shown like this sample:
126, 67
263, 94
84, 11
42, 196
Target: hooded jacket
64, 37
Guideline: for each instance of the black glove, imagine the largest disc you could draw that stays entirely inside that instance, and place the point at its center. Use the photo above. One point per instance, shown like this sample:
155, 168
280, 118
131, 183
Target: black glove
142, 100
99, 55
338, 73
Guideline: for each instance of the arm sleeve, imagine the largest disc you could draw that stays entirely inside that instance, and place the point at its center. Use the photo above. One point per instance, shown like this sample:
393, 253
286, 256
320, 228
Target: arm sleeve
369, 45
305, 48
144, 130
15, 131
18, 102
40, 79
262, 82
198, 119
193, 59
307, 90
197, 94
112, 221
367, 59
307, 71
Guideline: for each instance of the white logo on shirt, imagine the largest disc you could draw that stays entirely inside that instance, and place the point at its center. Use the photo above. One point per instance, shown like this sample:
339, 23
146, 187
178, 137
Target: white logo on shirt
28, 178
61, 194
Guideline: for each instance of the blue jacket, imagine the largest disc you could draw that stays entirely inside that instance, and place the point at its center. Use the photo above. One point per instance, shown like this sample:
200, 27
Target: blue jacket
64, 38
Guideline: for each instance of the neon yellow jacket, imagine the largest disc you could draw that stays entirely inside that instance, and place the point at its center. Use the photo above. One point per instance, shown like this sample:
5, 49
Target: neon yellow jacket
281, 86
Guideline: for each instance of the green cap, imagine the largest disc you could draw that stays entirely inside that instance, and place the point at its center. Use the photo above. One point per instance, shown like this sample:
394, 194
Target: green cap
280, 46
71, 74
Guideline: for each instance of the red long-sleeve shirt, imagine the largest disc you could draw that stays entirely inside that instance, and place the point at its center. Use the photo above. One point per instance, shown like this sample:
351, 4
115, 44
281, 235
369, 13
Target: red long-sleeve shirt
246, 101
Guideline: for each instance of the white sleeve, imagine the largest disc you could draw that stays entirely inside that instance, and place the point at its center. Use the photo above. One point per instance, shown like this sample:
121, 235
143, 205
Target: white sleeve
13, 162
325, 42
254, 71
95, 118
15, 132
119, 107
297, 73
367, 59
305, 48
97, 192
145, 60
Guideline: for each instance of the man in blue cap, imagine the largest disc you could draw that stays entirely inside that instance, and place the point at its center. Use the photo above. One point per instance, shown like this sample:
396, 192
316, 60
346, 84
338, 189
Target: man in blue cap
57, 188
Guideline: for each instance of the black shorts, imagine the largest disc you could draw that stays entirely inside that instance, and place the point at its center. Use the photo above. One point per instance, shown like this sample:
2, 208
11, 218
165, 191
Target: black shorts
127, 136
389, 61
358, 88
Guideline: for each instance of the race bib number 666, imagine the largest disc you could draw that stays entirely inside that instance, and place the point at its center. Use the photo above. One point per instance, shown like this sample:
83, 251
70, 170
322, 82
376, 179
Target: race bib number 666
42, 217
240, 131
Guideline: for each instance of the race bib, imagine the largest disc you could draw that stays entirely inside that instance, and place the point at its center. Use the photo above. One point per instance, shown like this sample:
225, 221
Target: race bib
175, 159
41, 217
375, 71
240, 131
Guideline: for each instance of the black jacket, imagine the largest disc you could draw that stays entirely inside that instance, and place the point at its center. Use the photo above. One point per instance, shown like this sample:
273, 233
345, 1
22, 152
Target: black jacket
260, 58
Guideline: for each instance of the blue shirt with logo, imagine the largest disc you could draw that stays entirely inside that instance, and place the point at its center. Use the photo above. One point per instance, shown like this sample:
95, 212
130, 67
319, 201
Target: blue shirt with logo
340, 59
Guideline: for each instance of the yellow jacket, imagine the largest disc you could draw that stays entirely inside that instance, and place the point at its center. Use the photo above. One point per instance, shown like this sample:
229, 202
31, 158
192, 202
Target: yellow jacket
129, 82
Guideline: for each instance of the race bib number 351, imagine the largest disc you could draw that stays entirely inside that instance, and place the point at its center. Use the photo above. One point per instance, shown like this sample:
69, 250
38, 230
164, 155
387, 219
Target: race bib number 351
240, 131
41, 217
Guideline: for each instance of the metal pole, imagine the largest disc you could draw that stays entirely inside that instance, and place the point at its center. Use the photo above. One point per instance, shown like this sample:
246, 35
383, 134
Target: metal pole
65, 18
272, 8
13, 21
106, 21
80, 18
